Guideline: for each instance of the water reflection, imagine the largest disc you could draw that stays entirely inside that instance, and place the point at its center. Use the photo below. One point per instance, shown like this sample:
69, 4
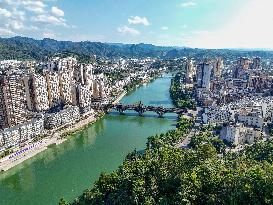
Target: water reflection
21, 181
160, 102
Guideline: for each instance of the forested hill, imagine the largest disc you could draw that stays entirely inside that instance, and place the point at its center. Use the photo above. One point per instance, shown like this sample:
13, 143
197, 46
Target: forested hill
28, 48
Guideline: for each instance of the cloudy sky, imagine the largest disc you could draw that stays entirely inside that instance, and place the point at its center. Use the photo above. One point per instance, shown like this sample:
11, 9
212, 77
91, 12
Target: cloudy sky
194, 23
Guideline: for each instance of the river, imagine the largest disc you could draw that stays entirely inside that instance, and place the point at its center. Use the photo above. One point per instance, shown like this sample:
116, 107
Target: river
70, 168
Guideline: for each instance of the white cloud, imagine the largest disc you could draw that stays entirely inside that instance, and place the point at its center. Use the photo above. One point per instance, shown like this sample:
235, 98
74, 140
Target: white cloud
15, 25
5, 13
128, 30
12, 2
34, 6
188, 4
32, 28
56, 11
49, 20
164, 28
19, 15
6, 32
11, 20
138, 20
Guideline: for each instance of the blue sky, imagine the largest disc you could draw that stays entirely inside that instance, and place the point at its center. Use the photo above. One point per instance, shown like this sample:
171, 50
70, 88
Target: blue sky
194, 23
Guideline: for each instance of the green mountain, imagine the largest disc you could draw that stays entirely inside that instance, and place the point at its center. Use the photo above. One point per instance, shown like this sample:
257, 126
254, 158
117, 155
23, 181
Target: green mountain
29, 48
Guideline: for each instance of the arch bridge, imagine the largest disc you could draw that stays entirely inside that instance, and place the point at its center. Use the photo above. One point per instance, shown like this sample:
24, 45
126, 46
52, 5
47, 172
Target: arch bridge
141, 109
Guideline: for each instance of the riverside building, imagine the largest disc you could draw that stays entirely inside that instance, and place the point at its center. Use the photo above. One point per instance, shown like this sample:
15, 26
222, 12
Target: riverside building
17, 136
12, 99
37, 93
37, 97
53, 88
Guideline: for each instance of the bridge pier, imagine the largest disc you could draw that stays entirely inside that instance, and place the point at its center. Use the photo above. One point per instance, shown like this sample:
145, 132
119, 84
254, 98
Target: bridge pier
121, 112
160, 114
140, 112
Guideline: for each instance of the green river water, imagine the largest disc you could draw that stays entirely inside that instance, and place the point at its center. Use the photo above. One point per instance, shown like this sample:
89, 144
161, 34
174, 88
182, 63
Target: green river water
70, 168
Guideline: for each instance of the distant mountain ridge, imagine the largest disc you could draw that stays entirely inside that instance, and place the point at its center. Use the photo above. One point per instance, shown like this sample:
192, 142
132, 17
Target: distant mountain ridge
29, 48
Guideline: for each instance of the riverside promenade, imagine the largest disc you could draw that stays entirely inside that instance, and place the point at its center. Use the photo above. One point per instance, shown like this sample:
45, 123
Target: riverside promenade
31, 150
116, 101
57, 137
27, 152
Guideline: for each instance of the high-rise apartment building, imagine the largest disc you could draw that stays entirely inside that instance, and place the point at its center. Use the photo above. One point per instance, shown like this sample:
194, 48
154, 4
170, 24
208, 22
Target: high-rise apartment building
203, 75
256, 63
243, 63
96, 91
37, 90
102, 90
54, 97
67, 65
83, 74
13, 99
218, 67
85, 95
66, 91
190, 71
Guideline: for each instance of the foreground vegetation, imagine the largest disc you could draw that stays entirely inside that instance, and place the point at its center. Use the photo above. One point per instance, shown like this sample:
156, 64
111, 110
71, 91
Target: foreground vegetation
205, 173
202, 174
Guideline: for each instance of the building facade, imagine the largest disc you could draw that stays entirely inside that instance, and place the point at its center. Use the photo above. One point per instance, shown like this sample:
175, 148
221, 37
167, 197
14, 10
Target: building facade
13, 99
54, 97
16, 136
68, 115
218, 67
190, 71
240, 134
204, 75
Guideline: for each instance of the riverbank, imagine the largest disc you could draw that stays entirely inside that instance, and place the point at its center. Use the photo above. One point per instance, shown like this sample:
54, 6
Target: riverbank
71, 167
55, 136
119, 97
58, 136
27, 152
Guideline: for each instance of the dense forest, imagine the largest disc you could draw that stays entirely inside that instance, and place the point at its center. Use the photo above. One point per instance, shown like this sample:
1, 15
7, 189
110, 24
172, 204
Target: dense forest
27, 48
202, 174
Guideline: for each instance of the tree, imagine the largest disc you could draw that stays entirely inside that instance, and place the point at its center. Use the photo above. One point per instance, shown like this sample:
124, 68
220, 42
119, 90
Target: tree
63, 202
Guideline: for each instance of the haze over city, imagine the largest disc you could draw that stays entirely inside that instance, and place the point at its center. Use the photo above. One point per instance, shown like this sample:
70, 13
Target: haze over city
192, 23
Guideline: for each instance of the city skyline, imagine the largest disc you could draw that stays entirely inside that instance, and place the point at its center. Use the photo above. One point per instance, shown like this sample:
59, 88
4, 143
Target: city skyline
192, 23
